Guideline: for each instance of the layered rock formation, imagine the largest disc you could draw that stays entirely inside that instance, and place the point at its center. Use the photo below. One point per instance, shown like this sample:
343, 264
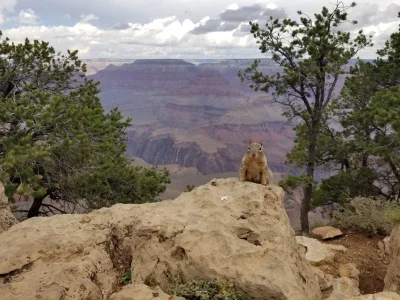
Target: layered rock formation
180, 111
225, 229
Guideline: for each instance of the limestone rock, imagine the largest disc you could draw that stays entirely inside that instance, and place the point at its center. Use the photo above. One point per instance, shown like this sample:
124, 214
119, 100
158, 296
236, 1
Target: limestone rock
325, 280
378, 296
344, 288
392, 278
142, 292
245, 239
386, 243
7, 219
349, 270
381, 246
326, 232
318, 253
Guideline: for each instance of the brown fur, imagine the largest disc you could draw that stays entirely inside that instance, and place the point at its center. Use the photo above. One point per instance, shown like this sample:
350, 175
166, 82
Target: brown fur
254, 166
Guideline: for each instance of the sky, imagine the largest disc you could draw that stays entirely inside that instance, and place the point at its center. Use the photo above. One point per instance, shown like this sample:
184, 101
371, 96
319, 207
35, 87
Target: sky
186, 29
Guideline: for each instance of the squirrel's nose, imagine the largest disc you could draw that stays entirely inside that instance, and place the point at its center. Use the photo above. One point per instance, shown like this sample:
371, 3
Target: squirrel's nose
254, 155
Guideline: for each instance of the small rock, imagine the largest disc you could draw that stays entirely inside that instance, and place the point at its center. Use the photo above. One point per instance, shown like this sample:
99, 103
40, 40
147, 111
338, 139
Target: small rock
381, 246
378, 296
344, 288
349, 270
386, 242
325, 280
318, 253
326, 232
384, 245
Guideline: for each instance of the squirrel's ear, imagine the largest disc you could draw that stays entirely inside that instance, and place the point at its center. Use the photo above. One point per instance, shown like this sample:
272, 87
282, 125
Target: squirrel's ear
261, 142
250, 141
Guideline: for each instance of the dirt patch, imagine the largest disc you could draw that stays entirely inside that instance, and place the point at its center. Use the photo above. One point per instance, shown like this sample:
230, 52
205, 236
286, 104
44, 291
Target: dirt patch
121, 259
363, 250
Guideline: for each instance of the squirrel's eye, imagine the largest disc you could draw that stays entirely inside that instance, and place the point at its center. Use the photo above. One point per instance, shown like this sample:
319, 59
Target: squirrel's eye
248, 149
260, 148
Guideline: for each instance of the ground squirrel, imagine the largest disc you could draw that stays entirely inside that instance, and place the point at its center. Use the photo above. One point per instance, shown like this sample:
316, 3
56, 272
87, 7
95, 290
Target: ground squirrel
254, 166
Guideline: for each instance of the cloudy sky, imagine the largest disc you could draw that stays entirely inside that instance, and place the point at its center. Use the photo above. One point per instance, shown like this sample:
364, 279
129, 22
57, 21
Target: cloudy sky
170, 28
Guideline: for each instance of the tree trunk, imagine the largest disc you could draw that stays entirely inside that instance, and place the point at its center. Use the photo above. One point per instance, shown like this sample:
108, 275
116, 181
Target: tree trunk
34, 210
308, 190
305, 208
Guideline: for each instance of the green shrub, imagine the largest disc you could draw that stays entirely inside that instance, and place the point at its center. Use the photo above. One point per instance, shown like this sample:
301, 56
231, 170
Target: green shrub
209, 289
368, 215
189, 188
127, 278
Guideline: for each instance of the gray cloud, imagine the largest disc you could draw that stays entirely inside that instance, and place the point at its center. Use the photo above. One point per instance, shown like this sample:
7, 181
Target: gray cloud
121, 26
213, 25
123, 11
279, 13
245, 13
368, 14
231, 19
249, 13
243, 30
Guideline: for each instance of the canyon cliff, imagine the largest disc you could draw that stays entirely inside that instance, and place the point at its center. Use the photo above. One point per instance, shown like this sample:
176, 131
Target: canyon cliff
195, 116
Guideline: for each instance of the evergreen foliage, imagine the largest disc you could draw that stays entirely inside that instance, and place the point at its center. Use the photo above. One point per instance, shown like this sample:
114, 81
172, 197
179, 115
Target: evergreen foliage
313, 53
57, 141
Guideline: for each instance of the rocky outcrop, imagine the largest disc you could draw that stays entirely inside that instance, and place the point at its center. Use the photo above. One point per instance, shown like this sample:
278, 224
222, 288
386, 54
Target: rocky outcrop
142, 291
164, 150
179, 115
347, 285
392, 278
318, 253
378, 296
145, 75
226, 229
325, 280
7, 219
344, 288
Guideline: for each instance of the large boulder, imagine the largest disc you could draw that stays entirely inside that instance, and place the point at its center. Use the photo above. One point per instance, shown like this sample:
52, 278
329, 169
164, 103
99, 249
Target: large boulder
229, 230
392, 278
7, 219
378, 296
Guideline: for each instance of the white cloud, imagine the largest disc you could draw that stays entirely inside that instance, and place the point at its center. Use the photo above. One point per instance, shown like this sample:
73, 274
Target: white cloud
271, 6
88, 18
5, 7
28, 17
168, 37
233, 6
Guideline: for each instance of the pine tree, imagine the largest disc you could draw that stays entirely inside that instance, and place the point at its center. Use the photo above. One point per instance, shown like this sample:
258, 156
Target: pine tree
313, 54
364, 149
57, 141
